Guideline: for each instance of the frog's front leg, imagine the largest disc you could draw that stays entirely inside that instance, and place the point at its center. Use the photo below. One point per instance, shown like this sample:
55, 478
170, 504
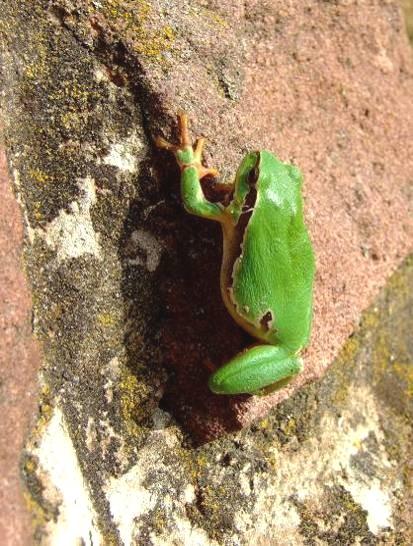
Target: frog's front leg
254, 369
189, 159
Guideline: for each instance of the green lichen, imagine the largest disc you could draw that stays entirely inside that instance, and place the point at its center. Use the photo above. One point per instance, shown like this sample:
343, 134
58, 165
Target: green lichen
132, 392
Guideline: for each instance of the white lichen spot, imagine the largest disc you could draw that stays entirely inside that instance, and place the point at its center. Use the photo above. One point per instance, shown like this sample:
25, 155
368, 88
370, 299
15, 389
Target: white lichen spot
373, 491
111, 371
101, 75
244, 481
377, 503
128, 499
17, 186
62, 479
188, 494
150, 485
71, 233
146, 250
160, 419
123, 154
112, 368
108, 388
91, 434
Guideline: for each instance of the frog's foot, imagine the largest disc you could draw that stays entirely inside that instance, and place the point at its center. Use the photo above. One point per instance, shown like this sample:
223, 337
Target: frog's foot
186, 154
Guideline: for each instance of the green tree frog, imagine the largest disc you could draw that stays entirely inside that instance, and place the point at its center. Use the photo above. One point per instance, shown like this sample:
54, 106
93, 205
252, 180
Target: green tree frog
268, 263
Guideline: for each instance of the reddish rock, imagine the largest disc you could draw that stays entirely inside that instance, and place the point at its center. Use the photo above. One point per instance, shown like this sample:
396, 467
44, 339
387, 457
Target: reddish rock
341, 109
327, 87
19, 361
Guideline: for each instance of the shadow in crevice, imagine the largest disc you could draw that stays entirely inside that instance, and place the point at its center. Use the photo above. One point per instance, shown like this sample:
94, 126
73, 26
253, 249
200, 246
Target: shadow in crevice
186, 328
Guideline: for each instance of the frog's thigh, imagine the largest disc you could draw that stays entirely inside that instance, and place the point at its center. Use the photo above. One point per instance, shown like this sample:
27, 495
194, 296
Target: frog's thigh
254, 369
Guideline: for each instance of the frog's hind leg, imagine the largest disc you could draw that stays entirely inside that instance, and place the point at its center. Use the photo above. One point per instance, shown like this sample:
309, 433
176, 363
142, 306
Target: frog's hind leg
254, 369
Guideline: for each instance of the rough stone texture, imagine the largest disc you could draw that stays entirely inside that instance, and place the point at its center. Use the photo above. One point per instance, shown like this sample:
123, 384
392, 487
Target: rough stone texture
125, 285
19, 361
331, 465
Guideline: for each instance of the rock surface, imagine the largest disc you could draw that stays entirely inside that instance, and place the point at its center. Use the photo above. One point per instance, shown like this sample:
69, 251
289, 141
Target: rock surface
125, 285
19, 362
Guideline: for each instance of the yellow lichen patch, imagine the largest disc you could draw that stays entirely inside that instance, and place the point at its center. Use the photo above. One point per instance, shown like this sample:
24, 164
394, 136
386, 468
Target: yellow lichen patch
135, 21
156, 44
75, 91
371, 319
71, 121
132, 392
39, 176
30, 465
347, 354
405, 373
202, 460
37, 211
30, 72
382, 355
107, 319
37, 67
350, 349
45, 410
128, 386
290, 427
210, 17
38, 514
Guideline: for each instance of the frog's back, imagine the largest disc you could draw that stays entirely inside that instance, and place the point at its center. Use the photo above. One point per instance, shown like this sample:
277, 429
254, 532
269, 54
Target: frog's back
275, 271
